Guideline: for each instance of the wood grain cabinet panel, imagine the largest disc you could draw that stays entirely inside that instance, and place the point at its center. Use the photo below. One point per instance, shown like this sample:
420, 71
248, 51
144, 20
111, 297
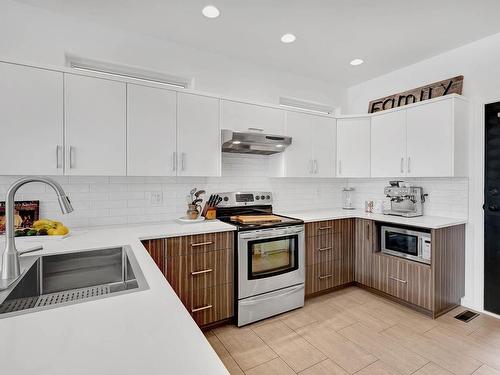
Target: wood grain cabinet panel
420, 285
323, 249
323, 276
323, 229
200, 243
209, 305
157, 249
364, 239
199, 271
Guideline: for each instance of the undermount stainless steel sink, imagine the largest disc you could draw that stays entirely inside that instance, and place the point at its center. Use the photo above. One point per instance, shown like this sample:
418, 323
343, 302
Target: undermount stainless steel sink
56, 280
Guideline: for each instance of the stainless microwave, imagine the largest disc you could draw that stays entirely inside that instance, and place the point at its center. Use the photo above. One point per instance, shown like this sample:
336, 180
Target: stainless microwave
406, 243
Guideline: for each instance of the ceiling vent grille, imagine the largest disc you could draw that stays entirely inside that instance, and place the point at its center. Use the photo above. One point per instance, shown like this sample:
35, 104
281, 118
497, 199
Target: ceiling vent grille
306, 106
122, 71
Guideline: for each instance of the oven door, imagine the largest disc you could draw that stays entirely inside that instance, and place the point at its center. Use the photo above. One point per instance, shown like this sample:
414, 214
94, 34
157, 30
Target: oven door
401, 242
270, 259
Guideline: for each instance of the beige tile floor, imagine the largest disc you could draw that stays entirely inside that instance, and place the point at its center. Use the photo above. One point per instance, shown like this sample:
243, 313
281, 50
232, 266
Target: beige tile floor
355, 332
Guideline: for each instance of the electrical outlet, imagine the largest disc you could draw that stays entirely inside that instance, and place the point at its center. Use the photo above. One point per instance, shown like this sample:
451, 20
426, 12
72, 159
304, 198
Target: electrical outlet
156, 198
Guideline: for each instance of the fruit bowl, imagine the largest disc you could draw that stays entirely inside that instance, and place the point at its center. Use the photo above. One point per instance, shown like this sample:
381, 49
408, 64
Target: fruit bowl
44, 227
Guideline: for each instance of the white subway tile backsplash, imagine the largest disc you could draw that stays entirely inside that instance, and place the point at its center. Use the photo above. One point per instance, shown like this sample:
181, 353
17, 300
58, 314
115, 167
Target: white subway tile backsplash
120, 200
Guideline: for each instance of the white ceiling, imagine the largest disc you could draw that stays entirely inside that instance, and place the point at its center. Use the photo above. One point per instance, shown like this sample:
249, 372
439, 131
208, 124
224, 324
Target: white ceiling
387, 34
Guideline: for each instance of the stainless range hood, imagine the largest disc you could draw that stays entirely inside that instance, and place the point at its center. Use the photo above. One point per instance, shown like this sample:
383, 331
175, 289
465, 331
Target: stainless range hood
253, 143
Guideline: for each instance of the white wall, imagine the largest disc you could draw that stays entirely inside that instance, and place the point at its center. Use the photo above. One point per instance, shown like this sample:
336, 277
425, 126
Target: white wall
479, 62
38, 36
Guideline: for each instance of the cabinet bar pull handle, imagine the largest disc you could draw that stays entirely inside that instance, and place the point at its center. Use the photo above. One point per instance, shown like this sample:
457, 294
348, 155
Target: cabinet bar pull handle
256, 129
71, 157
58, 165
398, 280
368, 232
201, 272
325, 248
324, 228
408, 167
202, 243
183, 161
325, 277
201, 308
402, 162
174, 161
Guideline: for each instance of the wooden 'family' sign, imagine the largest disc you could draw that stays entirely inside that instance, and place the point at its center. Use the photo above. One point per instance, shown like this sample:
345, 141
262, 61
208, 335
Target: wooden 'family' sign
433, 90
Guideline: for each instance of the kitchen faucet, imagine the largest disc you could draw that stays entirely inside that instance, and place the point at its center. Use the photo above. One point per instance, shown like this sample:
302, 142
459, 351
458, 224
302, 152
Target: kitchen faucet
10, 257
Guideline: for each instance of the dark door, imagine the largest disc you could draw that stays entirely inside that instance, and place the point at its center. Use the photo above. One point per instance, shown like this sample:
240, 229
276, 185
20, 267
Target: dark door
491, 209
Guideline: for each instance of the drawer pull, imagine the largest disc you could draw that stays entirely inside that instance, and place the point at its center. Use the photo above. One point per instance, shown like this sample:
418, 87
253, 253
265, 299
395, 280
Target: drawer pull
202, 243
201, 272
398, 280
325, 277
325, 248
201, 308
324, 228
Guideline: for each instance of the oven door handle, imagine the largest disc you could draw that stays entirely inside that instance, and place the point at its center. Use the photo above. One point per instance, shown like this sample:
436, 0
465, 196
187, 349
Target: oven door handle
264, 235
259, 300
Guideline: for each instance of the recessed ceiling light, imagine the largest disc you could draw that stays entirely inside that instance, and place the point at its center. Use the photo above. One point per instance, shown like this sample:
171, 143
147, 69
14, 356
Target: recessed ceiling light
356, 62
288, 38
210, 11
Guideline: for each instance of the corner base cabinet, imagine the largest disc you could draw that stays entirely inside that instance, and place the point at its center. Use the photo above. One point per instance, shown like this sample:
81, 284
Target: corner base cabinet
200, 270
432, 288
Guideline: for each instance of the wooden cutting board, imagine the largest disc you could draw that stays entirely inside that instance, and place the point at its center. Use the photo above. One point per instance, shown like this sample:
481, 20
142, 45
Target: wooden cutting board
254, 219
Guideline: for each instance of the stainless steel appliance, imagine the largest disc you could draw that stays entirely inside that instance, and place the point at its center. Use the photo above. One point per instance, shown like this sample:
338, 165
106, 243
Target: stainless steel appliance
405, 201
253, 142
406, 243
270, 256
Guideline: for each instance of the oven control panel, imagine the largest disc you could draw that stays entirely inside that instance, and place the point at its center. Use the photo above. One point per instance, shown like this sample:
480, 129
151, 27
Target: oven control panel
245, 198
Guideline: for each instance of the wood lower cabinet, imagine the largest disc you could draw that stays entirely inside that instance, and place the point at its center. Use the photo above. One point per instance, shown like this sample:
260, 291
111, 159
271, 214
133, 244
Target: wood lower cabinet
200, 270
329, 254
364, 246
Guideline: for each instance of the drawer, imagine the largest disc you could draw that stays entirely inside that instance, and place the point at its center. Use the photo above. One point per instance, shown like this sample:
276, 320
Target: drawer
200, 243
322, 276
210, 305
404, 279
321, 249
320, 228
199, 271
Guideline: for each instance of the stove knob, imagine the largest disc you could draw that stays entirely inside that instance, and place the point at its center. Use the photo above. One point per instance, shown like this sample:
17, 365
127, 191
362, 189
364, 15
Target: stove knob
226, 199
268, 197
262, 197
257, 197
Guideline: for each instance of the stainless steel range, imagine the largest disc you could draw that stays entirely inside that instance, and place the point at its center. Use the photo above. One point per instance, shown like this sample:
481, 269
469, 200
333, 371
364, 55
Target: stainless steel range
270, 256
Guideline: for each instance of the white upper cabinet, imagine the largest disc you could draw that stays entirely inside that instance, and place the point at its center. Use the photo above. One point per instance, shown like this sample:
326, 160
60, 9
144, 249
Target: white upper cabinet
438, 138
353, 147
430, 139
198, 135
151, 131
298, 156
95, 111
31, 121
312, 152
246, 117
388, 144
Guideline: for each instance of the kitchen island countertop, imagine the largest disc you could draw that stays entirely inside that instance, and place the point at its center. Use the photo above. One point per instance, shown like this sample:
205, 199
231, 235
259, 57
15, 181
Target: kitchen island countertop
146, 332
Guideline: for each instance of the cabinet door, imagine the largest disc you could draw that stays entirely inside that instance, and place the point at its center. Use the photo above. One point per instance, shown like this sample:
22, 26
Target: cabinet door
430, 139
198, 135
298, 156
95, 111
151, 130
31, 121
324, 132
364, 238
250, 117
353, 147
388, 144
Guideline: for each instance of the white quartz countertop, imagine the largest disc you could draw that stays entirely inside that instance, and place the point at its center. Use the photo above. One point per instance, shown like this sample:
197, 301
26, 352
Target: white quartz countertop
431, 222
147, 332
